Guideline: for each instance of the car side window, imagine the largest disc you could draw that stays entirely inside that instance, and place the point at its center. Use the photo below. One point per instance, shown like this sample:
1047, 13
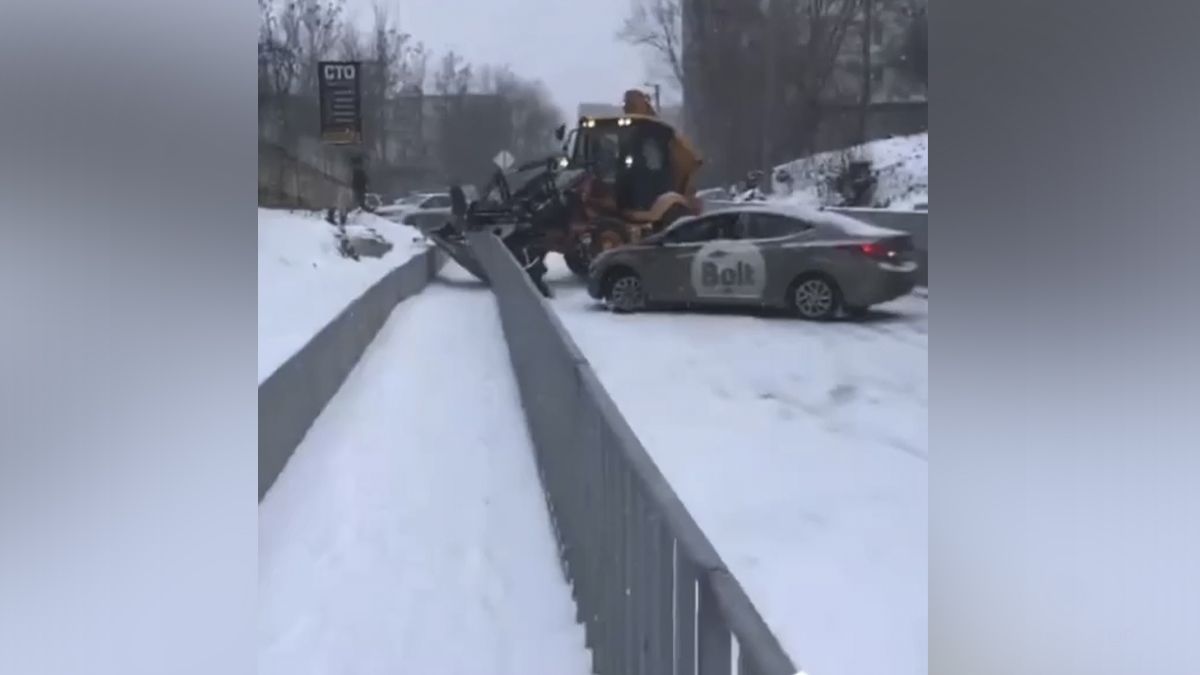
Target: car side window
773, 226
695, 232
439, 202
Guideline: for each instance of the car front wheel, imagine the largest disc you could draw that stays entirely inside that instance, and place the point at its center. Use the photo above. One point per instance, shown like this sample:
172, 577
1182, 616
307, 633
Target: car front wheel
815, 298
625, 293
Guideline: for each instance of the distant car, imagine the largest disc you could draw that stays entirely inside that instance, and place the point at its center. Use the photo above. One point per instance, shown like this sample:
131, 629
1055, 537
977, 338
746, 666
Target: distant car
812, 263
416, 202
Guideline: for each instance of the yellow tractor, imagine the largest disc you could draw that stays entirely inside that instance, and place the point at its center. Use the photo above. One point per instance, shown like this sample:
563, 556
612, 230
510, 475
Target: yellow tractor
618, 179
638, 177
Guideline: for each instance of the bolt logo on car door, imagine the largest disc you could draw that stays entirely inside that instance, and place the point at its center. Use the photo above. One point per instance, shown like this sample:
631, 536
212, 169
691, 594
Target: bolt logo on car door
729, 269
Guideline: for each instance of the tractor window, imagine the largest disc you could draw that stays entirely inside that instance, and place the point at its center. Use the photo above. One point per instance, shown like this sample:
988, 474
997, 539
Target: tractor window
645, 175
602, 148
652, 154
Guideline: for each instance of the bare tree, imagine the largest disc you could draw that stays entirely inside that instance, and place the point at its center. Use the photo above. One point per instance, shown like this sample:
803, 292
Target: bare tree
418, 68
655, 26
453, 76
823, 27
867, 34
534, 114
312, 28
915, 51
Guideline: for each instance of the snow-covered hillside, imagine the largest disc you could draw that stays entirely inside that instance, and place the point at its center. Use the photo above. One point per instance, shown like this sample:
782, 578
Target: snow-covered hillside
901, 167
304, 281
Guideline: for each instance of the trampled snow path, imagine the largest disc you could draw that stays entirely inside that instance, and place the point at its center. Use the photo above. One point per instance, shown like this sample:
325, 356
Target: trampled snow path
800, 449
408, 534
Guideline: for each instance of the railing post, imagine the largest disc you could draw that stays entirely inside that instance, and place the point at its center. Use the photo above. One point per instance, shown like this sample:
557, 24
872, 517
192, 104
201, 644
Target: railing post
685, 613
745, 665
609, 570
638, 587
628, 633
712, 635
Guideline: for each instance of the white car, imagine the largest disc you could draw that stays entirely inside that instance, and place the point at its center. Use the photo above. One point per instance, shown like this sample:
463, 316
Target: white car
417, 202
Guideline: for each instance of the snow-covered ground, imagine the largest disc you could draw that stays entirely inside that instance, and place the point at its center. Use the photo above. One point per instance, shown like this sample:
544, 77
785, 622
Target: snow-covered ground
901, 165
801, 450
304, 282
408, 533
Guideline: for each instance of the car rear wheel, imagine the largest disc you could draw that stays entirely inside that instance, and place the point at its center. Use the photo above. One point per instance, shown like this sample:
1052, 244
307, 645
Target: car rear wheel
625, 293
814, 297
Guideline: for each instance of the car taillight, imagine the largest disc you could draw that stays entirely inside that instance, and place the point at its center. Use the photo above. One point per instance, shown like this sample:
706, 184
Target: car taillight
887, 249
876, 250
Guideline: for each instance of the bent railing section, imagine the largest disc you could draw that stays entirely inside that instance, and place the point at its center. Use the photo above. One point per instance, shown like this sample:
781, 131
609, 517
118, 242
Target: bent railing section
648, 585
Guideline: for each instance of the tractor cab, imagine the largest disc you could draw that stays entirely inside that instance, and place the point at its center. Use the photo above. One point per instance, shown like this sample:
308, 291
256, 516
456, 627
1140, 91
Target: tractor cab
639, 168
628, 159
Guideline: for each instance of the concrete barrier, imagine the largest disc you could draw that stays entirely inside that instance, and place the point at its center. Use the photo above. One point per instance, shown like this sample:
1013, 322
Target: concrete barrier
635, 558
296, 393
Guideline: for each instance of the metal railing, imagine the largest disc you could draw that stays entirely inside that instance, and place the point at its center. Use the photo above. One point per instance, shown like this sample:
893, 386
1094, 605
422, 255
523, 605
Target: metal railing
653, 594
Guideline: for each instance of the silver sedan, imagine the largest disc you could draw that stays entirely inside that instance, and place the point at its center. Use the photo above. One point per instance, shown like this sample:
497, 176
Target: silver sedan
813, 263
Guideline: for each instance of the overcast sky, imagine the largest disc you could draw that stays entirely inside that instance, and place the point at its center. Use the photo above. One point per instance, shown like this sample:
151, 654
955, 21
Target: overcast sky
568, 44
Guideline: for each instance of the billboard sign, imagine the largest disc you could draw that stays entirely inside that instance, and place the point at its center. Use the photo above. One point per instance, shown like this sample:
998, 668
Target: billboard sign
341, 101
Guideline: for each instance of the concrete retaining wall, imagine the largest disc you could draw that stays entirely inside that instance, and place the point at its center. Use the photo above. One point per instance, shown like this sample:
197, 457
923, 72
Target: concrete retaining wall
632, 553
296, 393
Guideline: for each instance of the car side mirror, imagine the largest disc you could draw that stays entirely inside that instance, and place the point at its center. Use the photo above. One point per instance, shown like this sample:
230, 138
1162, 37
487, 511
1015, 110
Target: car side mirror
561, 132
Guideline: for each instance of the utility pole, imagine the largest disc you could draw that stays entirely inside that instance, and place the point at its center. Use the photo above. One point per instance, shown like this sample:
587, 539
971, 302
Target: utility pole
868, 34
657, 93
769, 93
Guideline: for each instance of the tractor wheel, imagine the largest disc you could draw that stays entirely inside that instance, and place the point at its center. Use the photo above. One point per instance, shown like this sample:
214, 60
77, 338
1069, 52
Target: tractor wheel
607, 234
577, 262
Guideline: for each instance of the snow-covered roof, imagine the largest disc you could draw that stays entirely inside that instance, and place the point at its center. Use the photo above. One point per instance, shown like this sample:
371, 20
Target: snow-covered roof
845, 224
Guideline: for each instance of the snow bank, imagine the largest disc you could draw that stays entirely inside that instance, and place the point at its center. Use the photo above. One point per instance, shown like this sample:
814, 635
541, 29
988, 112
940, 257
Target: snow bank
304, 281
901, 167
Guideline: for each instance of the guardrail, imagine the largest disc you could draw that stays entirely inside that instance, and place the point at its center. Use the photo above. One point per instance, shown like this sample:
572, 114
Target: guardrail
296, 393
653, 593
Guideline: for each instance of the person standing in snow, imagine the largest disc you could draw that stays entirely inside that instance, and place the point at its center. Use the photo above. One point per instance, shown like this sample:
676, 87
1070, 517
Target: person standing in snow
359, 183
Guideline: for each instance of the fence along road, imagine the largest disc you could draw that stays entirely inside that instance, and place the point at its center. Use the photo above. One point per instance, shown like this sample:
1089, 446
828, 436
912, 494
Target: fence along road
652, 592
